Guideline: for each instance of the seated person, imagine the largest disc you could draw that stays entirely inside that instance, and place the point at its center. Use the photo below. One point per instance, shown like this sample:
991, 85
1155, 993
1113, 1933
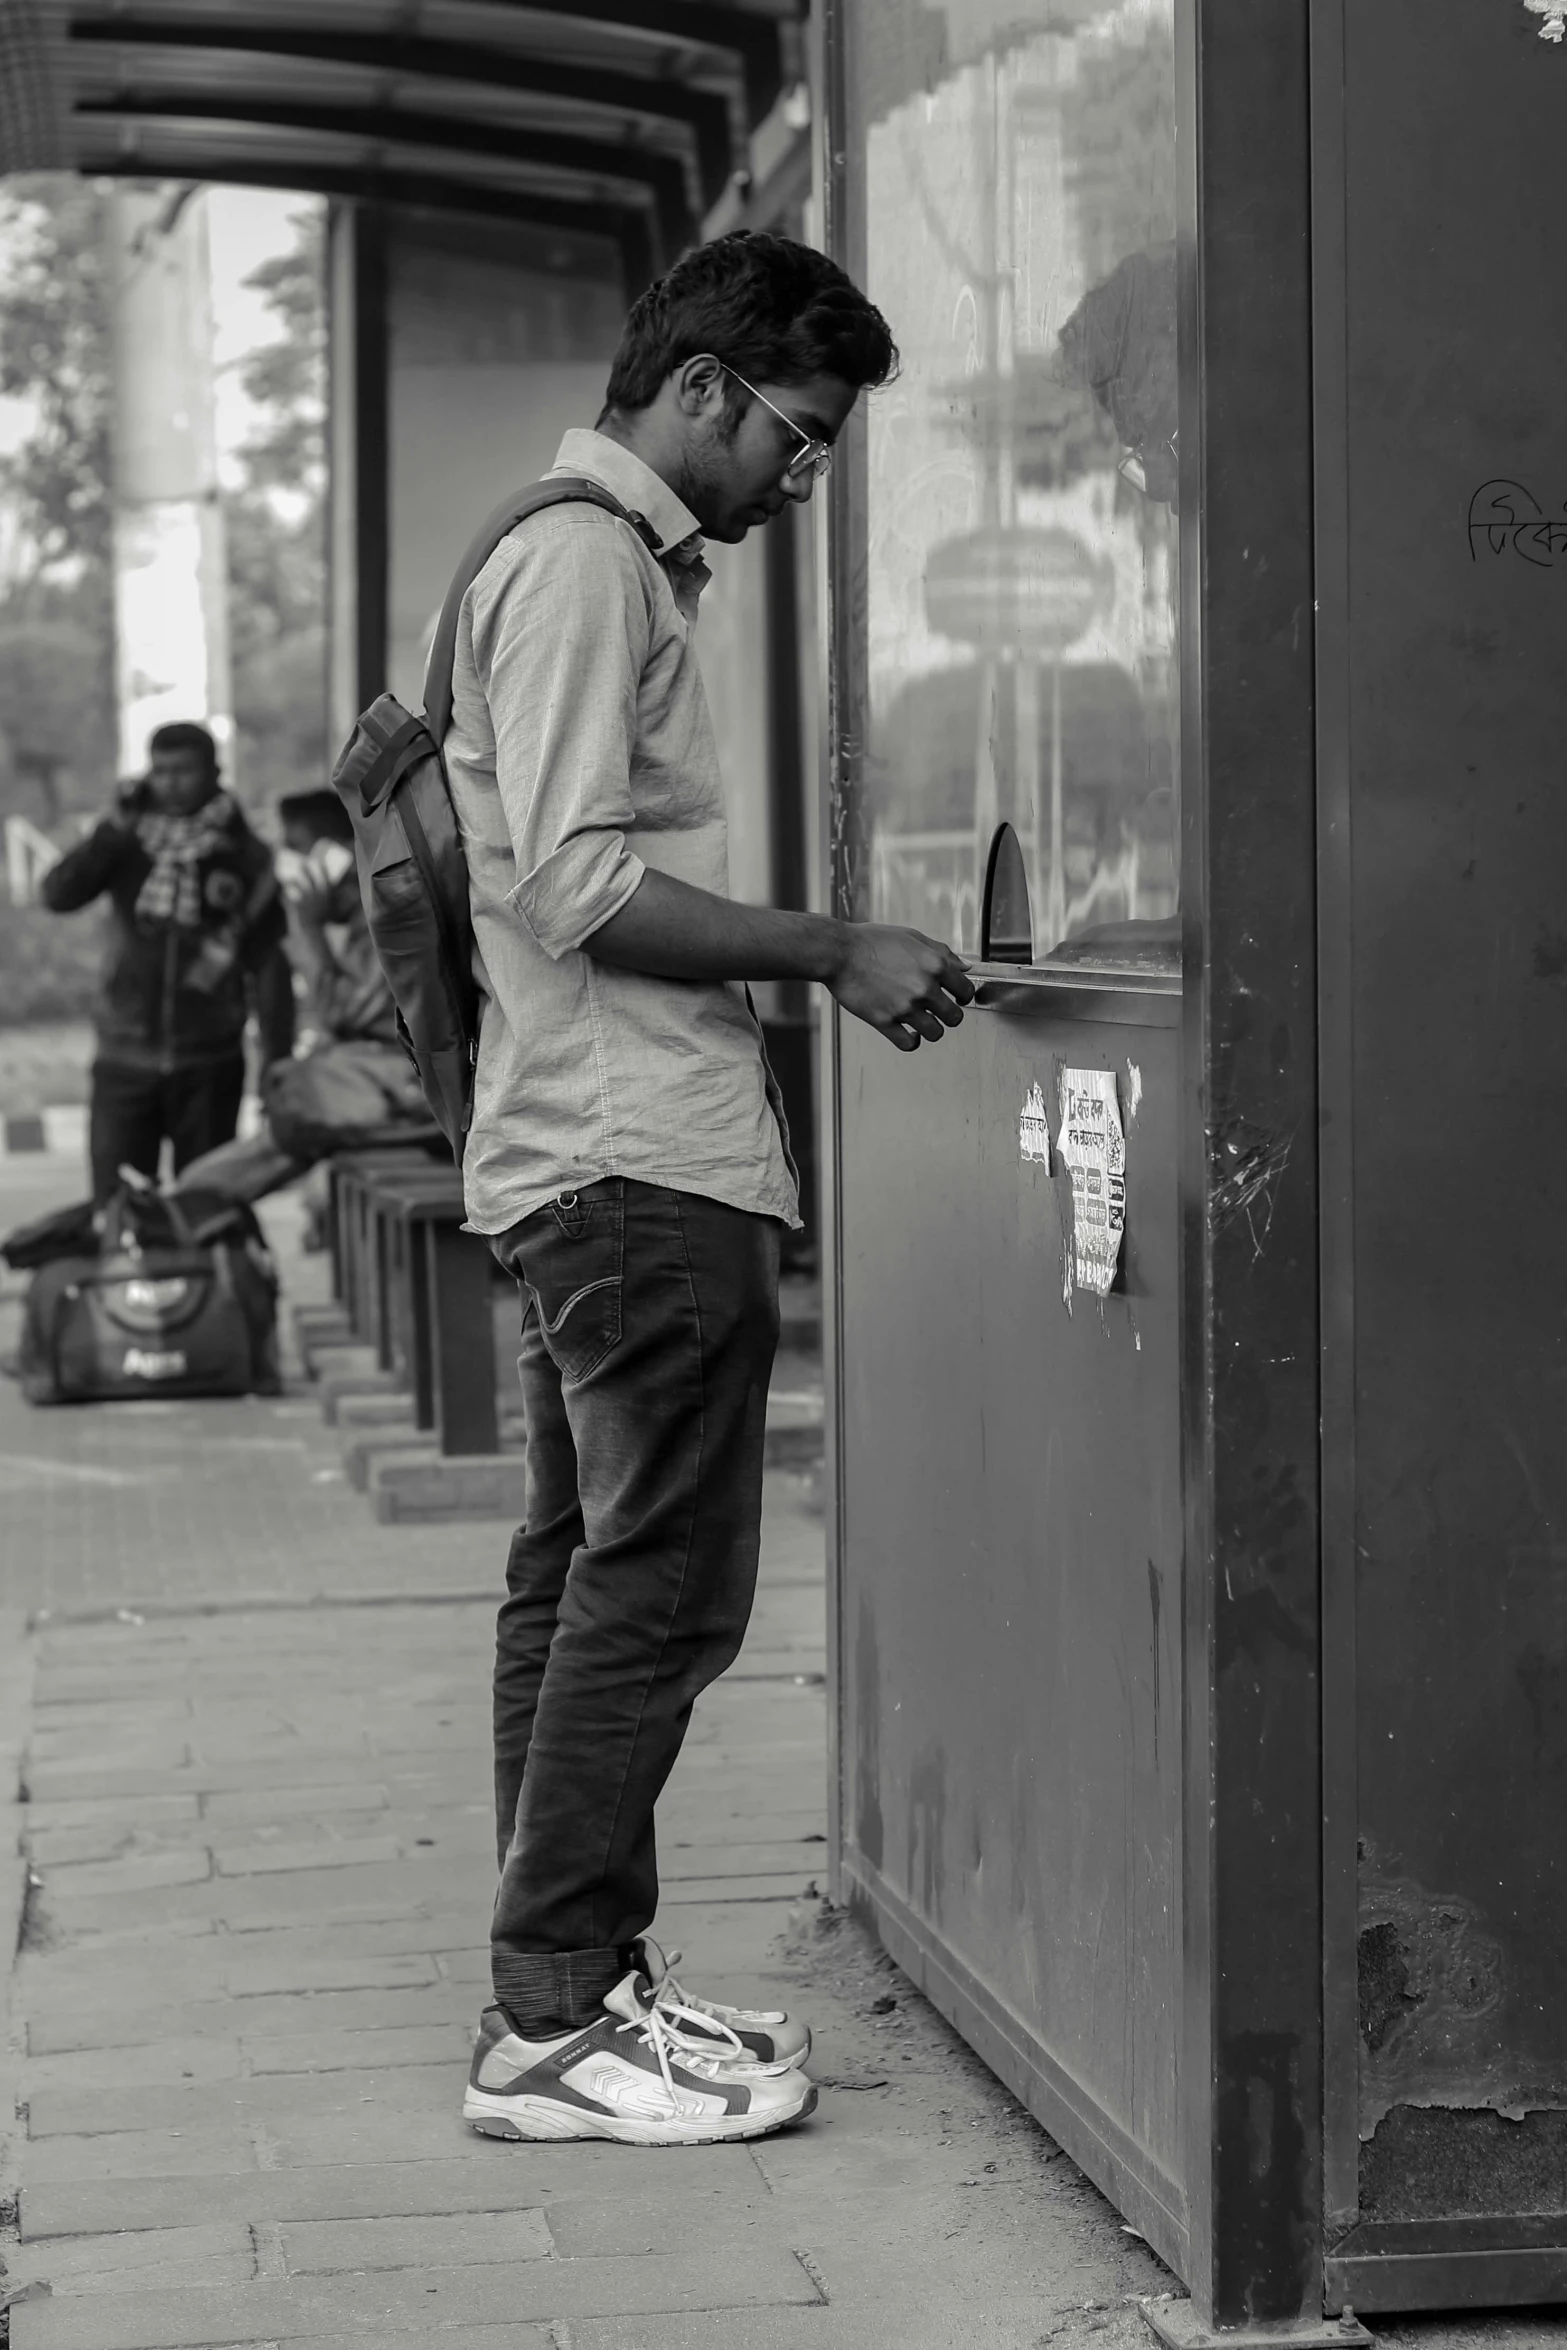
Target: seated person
350, 1086
346, 995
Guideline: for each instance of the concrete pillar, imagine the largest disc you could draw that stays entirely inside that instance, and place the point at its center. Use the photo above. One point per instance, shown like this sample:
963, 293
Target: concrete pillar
170, 562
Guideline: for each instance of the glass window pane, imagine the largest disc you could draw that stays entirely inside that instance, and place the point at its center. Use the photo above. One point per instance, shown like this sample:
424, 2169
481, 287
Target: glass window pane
1011, 207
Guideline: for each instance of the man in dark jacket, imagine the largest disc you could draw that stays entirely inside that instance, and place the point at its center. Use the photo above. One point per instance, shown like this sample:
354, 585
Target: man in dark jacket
195, 938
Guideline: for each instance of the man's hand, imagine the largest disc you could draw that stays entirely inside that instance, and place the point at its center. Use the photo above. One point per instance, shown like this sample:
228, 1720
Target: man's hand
900, 982
129, 803
309, 897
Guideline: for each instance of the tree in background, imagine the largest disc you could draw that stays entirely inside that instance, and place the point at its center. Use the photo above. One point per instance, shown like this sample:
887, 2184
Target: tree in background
57, 726
277, 533
57, 712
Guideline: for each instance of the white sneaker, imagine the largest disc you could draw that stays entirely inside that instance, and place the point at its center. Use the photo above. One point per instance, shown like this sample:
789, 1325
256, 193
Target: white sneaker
646, 2074
771, 2036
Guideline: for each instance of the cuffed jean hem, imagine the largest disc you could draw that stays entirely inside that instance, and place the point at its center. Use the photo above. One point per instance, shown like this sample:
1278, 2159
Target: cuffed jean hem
550, 1991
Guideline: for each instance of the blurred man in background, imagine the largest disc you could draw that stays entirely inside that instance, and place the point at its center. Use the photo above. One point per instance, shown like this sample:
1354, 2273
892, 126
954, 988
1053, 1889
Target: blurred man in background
195, 943
346, 996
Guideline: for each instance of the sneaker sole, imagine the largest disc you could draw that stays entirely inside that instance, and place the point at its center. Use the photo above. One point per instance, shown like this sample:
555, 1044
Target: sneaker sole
534, 2118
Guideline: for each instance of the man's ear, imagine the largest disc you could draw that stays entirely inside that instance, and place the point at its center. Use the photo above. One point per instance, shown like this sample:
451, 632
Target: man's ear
699, 384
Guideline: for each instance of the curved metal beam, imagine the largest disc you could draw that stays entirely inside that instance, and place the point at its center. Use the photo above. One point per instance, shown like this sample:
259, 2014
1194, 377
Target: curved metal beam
448, 134
752, 37
706, 24
703, 112
627, 229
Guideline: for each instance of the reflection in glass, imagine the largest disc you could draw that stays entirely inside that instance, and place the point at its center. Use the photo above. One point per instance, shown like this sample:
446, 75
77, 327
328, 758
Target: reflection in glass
1016, 222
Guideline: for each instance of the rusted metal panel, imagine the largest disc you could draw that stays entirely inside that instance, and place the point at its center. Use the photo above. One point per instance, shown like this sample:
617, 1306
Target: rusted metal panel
1448, 2094
1009, 1589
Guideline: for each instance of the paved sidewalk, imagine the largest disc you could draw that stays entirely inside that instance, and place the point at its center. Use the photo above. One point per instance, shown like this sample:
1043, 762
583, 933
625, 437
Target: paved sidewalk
255, 1767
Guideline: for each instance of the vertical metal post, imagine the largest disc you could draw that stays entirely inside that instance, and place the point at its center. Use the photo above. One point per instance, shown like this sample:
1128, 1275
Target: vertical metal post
1340, 1873
1055, 919
1253, 1818
831, 193
358, 427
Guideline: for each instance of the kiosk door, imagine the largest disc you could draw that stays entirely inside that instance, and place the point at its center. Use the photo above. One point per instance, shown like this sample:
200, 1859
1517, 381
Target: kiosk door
1009, 1500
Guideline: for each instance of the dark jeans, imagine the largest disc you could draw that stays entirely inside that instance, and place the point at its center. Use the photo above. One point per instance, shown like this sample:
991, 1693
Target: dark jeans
650, 1324
133, 1109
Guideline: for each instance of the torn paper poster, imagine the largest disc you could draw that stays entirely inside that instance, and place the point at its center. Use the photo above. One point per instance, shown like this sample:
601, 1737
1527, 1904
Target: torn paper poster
1033, 1129
1093, 1146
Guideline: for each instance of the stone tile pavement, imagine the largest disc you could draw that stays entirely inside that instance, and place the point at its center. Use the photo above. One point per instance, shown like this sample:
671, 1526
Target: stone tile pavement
248, 1728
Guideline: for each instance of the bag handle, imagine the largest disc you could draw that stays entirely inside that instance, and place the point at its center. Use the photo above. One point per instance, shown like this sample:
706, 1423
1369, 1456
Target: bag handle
565, 489
117, 1214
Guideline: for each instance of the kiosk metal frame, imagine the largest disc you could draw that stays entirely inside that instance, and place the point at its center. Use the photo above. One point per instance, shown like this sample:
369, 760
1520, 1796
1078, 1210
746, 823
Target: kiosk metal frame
1266, 1177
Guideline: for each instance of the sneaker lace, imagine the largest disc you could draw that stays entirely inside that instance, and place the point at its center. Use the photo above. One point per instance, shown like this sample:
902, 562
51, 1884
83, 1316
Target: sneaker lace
702, 2050
668, 1992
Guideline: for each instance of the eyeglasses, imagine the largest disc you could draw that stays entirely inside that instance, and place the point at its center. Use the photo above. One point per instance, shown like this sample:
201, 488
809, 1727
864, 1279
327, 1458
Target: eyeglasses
814, 457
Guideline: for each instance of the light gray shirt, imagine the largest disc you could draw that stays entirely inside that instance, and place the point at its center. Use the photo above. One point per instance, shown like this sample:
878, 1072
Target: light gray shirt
581, 753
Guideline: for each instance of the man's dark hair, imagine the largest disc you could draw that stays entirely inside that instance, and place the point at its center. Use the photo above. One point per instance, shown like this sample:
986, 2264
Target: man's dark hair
321, 811
184, 736
778, 311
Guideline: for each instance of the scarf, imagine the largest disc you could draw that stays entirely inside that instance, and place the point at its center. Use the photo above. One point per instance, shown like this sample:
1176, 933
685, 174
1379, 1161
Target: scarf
178, 846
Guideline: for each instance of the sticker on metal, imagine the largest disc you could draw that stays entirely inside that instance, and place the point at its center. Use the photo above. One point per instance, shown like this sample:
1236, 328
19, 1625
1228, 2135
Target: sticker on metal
1092, 1144
1033, 1129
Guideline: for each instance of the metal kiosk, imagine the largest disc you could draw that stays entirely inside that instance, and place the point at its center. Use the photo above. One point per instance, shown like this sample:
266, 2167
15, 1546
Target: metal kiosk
1199, 1505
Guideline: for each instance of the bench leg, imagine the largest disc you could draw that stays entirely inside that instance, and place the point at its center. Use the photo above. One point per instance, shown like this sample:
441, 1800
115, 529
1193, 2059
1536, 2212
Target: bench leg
462, 1345
334, 1232
421, 1346
384, 1274
364, 1264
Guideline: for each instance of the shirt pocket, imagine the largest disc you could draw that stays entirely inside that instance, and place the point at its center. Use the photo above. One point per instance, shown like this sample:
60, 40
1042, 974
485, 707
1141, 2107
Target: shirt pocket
573, 1264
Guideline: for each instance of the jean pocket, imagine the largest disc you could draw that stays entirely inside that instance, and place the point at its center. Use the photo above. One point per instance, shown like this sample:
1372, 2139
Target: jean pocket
572, 1262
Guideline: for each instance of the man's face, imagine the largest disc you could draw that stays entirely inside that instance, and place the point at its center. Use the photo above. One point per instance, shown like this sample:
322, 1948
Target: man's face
737, 466
179, 782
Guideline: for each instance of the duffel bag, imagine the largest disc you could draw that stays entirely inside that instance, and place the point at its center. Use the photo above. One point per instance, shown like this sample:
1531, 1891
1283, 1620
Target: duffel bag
185, 1316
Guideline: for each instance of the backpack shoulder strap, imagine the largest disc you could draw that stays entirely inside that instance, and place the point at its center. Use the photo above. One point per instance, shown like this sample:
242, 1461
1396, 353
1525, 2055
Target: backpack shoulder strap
563, 490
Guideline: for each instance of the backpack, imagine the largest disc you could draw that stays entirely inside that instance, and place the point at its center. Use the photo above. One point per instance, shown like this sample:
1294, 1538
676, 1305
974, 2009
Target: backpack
175, 1296
413, 875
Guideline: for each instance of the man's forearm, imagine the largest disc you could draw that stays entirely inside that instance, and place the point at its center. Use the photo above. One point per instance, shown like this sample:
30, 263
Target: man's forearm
898, 981
676, 932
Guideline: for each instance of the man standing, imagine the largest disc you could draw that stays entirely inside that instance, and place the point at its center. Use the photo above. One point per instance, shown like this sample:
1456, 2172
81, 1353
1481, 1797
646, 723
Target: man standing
628, 1160
195, 936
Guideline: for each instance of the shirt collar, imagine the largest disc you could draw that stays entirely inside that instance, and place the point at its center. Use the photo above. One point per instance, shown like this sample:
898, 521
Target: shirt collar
636, 485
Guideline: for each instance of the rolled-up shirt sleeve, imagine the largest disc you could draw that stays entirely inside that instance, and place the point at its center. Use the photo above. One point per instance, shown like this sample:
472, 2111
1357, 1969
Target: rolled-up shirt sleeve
560, 635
